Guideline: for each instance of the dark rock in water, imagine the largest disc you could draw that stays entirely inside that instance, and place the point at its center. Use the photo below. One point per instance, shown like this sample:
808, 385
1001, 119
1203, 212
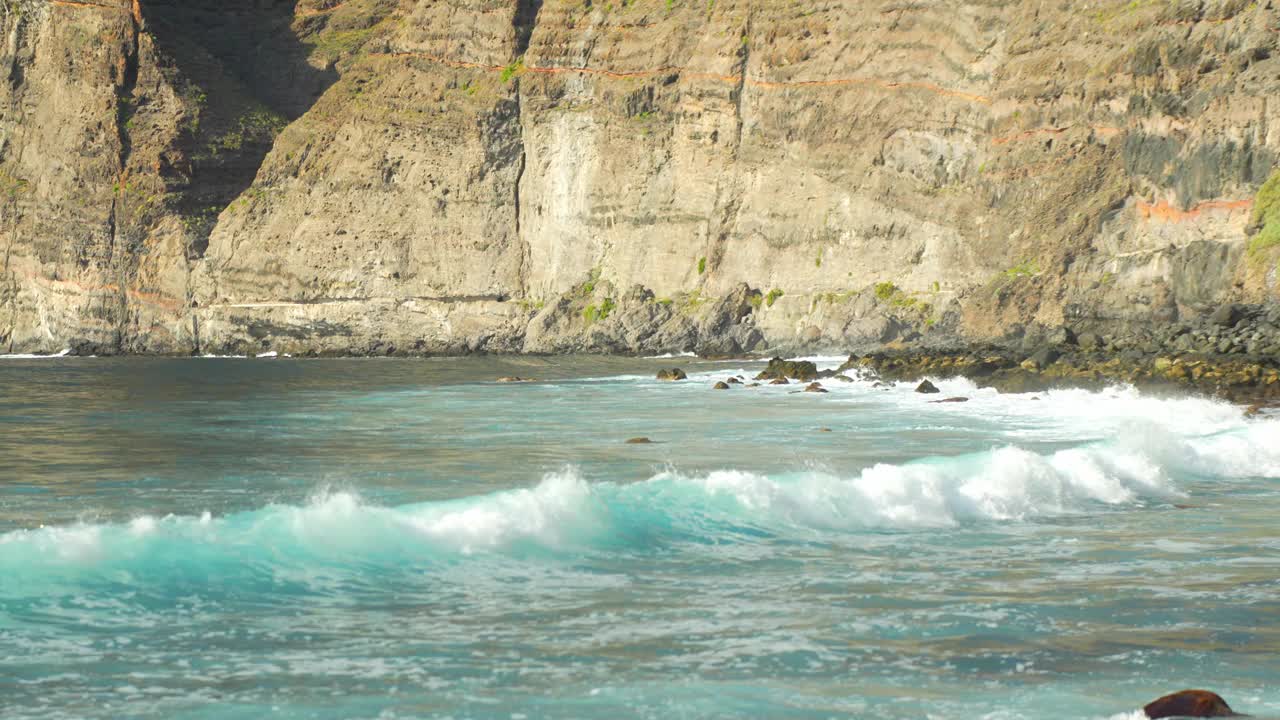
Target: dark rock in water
780, 381
513, 379
1253, 411
815, 388
952, 400
753, 385
1189, 703
639, 441
842, 378
1227, 315
849, 364
733, 381
720, 386
824, 430
672, 375
928, 388
802, 370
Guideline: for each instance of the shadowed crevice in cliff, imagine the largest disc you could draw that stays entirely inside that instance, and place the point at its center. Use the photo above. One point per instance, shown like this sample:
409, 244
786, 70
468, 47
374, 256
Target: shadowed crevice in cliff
243, 72
523, 21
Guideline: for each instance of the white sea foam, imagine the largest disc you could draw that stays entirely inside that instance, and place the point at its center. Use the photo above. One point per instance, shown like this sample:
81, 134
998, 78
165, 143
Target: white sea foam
1004, 484
20, 356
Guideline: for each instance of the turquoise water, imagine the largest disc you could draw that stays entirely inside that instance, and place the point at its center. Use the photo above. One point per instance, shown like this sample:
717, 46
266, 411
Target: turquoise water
217, 538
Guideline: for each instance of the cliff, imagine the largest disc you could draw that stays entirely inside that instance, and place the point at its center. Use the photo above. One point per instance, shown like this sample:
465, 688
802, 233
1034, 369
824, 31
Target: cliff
392, 176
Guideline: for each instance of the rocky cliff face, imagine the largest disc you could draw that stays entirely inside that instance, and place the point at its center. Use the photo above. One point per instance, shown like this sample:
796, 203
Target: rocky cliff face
377, 176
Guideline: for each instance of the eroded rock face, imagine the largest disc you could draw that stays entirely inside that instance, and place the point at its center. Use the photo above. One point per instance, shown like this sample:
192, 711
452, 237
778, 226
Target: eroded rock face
409, 176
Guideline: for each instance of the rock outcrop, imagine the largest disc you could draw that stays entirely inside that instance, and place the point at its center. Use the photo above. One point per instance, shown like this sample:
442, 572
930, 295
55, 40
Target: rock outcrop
1189, 703
418, 176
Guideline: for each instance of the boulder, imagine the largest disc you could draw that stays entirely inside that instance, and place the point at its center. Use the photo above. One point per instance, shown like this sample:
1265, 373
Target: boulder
513, 379
780, 381
1227, 315
1063, 336
733, 381
1189, 703
672, 375
1043, 358
639, 441
927, 388
801, 370
815, 388
720, 386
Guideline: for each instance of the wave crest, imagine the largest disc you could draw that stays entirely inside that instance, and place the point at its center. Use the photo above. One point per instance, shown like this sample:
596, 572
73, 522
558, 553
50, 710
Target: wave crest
565, 513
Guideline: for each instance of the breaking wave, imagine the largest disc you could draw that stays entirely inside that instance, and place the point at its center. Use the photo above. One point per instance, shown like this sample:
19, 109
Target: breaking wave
564, 513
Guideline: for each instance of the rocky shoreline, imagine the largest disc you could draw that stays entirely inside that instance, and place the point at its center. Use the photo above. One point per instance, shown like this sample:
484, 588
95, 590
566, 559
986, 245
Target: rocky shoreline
1232, 354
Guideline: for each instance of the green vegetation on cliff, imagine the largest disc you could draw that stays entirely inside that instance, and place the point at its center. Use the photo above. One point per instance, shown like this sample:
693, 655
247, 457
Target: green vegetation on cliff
1266, 217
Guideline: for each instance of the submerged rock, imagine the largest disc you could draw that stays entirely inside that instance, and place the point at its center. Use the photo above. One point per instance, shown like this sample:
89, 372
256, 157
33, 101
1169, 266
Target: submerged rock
639, 441
927, 388
815, 388
952, 400
514, 379
1189, 703
780, 381
720, 386
672, 375
733, 381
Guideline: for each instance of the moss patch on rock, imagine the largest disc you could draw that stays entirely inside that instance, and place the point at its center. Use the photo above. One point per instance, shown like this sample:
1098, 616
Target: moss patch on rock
1266, 217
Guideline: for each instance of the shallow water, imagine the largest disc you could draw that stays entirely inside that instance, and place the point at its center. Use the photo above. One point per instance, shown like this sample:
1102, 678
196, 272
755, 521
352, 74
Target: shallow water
406, 538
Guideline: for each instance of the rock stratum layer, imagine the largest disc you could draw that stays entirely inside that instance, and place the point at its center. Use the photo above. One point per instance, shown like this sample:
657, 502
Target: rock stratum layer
420, 176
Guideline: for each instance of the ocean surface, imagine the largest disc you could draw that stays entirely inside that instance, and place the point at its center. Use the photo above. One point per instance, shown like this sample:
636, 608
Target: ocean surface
231, 538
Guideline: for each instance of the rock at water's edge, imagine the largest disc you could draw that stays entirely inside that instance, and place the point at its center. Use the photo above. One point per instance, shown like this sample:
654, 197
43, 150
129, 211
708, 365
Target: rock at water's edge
927, 388
1189, 703
801, 370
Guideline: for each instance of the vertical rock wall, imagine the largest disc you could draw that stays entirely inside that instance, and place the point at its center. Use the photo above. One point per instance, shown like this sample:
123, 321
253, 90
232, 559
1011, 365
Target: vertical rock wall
377, 176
